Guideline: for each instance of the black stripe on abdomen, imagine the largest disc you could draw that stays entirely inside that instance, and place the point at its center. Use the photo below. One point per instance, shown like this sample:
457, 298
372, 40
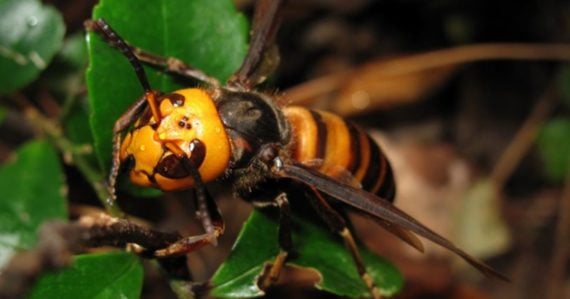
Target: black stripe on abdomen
388, 187
373, 169
321, 140
355, 149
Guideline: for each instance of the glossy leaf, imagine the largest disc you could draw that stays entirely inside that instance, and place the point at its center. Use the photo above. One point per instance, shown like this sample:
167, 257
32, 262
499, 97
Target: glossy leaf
30, 35
65, 75
554, 148
315, 248
210, 35
255, 245
31, 192
319, 250
95, 276
77, 124
3, 114
74, 52
78, 130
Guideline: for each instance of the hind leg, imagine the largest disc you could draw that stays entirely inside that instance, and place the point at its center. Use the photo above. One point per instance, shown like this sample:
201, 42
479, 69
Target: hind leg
338, 224
272, 271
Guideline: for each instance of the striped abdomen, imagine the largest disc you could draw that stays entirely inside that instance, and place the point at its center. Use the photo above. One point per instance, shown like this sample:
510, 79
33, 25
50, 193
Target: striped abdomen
340, 150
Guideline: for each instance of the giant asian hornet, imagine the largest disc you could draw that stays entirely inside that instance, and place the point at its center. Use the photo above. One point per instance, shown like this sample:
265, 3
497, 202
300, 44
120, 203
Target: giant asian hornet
189, 137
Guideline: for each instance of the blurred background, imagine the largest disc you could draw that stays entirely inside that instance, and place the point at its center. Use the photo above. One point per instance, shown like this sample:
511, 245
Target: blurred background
470, 101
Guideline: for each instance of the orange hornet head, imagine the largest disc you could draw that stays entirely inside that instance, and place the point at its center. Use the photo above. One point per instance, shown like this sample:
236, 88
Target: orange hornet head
189, 120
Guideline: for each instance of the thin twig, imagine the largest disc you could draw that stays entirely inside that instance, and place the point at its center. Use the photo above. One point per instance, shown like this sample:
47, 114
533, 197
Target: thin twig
561, 252
477, 52
305, 93
523, 139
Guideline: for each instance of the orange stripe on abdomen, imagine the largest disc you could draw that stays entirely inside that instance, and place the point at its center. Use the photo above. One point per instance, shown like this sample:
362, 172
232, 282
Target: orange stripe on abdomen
339, 149
304, 131
337, 154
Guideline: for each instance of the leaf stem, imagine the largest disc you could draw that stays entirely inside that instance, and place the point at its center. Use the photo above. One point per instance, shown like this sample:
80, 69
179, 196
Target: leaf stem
524, 138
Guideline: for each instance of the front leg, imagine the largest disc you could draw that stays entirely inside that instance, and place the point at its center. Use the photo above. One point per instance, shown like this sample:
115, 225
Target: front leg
135, 55
212, 222
175, 66
206, 210
124, 122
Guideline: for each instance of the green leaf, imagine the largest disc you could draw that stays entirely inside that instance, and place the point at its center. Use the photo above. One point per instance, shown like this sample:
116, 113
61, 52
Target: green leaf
210, 35
31, 192
3, 114
74, 52
78, 130
65, 75
30, 35
94, 276
554, 148
77, 124
255, 245
314, 247
319, 250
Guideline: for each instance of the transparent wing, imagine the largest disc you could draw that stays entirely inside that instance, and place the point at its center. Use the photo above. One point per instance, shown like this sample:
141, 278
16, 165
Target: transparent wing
376, 207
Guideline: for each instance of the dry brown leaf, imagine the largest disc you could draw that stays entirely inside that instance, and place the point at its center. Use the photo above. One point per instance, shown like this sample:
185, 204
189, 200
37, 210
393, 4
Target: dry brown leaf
370, 88
479, 224
385, 83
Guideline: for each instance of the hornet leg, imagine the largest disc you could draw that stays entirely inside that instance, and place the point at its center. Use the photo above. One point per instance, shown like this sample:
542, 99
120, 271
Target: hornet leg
271, 272
338, 224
